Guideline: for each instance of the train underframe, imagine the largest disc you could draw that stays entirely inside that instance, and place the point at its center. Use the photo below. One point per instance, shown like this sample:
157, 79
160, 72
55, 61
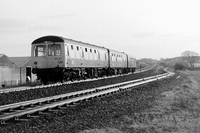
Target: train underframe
59, 74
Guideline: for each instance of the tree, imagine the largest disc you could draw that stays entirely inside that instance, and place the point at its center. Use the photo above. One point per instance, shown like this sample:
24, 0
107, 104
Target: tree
190, 57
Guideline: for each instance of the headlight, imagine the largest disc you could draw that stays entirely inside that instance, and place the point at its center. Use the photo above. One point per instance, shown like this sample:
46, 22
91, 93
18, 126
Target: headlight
60, 60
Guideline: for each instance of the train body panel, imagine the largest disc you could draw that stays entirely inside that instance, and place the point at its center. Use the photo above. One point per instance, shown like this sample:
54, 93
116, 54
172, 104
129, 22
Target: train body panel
117, 59
80, 54
57, 58
131, 63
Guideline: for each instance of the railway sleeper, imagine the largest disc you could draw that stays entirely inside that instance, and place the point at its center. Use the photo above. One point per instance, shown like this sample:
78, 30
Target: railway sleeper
81, 94
84, 100
22, 107
42, 113
76, 95
99, 96
89, 99
17, 108
104, 95
10, 110
30, 105
31, 116
55, 100
20, 119
71, 104
39, 103
71, 96
61, 98
61, 107
66, 97
48, 101
98, 90
95, 97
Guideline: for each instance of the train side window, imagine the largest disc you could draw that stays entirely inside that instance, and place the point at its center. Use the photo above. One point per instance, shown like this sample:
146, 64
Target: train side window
85, 49
90, 50
94, 51
77, 48
71, 47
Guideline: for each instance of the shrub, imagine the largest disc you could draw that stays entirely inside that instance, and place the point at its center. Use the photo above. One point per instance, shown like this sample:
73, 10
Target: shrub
180, 66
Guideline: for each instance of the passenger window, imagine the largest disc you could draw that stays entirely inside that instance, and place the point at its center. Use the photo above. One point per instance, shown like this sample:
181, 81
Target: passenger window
85, 49
54, 49
94, 51
40, 50
71, 47
82, 53
98, 54
67, 50
77, 48
90, 50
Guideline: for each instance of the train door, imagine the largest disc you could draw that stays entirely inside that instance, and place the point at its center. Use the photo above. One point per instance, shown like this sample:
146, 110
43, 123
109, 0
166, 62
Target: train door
39, 55
82, 56
28, 74
106, 59
66, 54
54, 55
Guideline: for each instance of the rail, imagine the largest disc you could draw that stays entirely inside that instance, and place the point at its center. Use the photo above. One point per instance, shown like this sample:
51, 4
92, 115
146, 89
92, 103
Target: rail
17, 110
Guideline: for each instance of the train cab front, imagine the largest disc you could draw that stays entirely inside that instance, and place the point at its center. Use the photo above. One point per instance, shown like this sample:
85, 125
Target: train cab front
47, 58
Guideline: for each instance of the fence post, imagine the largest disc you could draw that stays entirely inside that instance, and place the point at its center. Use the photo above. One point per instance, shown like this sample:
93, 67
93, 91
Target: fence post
20, 74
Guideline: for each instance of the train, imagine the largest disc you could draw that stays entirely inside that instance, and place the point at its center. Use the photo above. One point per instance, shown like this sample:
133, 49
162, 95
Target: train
56, 59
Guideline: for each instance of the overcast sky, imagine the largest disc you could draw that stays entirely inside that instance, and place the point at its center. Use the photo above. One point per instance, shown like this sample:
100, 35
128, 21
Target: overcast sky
143, 28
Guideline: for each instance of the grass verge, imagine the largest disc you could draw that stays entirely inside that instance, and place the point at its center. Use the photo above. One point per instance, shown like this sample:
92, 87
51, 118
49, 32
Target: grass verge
174, 111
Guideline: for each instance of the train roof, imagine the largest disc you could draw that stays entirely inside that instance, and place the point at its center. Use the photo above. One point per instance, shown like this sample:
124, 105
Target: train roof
130, 56
59, 39
111, 50
52, 38
48, 39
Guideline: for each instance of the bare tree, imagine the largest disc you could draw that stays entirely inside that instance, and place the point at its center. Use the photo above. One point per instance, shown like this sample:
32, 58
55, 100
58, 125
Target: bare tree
190, 57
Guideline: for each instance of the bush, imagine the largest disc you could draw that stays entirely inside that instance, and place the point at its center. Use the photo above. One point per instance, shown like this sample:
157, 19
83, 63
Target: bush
180, 66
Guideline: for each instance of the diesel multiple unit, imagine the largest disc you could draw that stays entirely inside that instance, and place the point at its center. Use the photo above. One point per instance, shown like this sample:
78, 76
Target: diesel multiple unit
56, 58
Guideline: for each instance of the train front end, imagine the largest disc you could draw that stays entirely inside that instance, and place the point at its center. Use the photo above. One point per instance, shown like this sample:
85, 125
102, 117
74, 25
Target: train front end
48, 58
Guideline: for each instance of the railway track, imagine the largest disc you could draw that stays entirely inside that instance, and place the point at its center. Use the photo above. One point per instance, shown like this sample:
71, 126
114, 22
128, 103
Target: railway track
68, 82
24, 110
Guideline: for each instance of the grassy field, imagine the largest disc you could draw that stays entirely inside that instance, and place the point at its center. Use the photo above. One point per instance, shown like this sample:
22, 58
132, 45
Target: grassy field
174, 111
